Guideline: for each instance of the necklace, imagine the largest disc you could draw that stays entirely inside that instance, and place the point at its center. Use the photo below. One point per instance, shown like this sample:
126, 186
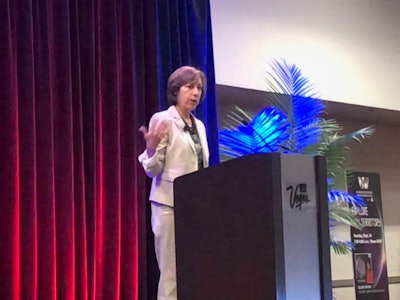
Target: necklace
191, 129
187, 121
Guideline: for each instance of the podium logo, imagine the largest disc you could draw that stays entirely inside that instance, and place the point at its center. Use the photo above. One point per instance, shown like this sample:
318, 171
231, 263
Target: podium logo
299, 197
363, 182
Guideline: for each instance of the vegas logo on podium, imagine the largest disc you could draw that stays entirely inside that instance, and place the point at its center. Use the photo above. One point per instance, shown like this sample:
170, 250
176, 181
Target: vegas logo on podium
299, 197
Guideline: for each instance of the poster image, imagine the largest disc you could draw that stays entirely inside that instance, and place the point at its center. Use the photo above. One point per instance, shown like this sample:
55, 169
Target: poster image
363, 266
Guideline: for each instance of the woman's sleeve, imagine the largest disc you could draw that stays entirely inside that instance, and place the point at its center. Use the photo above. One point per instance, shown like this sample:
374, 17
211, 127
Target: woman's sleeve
155, 164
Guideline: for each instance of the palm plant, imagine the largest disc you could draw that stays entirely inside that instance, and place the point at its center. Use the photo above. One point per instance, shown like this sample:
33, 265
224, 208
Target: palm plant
294, 123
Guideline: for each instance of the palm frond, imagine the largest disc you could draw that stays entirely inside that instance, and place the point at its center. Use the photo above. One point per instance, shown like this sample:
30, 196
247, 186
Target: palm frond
299, 103
343, 214
341, 247
334, 147
237, 116
358, 135
340, 196
285, 78
328, 128
264, 133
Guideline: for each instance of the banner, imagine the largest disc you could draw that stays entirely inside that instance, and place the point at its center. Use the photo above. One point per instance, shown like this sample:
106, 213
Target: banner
369, 258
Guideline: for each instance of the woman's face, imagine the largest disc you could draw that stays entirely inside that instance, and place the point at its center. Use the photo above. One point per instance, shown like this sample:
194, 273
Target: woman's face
189, 95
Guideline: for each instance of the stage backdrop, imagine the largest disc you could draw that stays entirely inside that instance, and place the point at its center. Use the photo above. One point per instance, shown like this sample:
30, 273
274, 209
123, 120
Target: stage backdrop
78, 79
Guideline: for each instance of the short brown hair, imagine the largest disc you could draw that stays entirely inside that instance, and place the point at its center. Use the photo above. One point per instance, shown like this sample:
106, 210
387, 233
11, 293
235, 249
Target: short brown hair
182, 76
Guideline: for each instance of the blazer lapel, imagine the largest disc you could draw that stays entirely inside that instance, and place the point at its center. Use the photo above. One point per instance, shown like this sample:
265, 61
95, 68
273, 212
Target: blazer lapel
181, 125
203, 142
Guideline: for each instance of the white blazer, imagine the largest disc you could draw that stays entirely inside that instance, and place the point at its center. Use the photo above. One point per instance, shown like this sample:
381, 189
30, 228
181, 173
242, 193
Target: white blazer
175, 155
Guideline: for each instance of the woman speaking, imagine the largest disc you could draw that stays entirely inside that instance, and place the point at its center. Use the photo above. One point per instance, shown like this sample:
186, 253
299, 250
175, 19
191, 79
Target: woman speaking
176, 144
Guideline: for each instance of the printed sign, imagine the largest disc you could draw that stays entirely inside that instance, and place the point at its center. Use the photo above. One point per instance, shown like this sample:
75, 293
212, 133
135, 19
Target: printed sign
369, 258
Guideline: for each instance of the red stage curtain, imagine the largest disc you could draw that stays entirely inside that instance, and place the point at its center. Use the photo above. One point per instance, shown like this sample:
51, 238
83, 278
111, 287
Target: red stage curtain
77, 79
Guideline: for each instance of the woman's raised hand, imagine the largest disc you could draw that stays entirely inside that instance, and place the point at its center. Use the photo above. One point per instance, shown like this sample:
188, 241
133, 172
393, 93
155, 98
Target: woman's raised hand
154, 137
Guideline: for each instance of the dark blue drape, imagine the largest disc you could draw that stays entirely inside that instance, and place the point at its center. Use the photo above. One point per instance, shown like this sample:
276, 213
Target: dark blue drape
184, 38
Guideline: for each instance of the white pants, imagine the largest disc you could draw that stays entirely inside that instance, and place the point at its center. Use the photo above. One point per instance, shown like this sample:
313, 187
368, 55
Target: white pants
163, 226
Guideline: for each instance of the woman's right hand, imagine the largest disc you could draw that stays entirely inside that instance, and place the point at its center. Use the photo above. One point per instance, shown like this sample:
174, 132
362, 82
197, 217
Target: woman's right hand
154, 137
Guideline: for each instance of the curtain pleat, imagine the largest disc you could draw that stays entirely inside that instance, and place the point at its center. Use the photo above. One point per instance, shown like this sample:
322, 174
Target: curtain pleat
73, 95
77, 80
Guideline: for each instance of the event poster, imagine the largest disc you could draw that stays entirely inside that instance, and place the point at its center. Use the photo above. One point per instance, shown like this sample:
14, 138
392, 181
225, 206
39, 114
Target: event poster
369, 258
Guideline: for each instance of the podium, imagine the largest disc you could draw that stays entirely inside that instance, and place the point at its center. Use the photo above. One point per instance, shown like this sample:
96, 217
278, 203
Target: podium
252, 228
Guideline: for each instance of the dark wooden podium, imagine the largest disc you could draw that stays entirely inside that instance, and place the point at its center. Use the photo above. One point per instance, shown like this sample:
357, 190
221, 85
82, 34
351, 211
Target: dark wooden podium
254, 228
